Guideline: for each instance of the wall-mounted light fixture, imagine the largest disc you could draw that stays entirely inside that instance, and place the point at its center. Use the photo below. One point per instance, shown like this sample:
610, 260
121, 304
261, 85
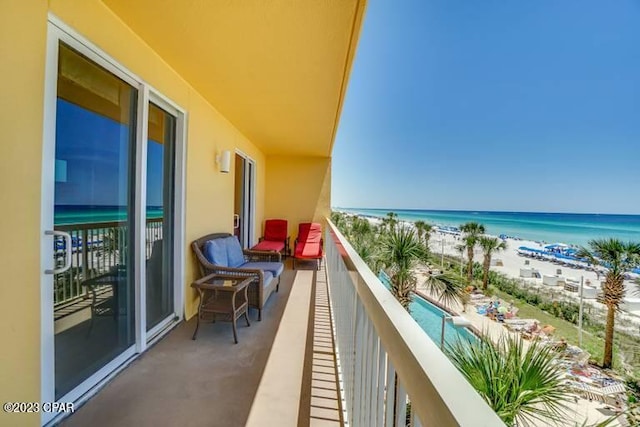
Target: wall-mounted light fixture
224, 161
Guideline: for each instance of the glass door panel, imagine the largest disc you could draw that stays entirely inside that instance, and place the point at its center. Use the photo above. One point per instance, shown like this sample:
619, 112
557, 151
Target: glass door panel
244, 187
94, 317
239, 195
160, 215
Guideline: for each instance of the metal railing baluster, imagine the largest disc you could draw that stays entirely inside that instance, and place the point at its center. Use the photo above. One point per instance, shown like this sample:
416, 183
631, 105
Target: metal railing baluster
97, 247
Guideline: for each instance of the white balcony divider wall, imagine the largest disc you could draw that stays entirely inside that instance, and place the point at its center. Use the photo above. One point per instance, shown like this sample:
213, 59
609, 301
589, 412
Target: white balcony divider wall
377, 341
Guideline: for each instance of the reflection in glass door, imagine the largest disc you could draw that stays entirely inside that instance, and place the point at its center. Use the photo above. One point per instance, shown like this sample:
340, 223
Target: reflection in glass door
94, 301
160, 215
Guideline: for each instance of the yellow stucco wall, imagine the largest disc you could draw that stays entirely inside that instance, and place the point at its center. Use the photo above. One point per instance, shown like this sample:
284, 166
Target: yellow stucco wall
22, 48
298, 189
209, 193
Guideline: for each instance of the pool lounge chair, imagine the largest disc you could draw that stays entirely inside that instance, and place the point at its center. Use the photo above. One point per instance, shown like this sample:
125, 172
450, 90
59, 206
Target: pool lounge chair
308, 245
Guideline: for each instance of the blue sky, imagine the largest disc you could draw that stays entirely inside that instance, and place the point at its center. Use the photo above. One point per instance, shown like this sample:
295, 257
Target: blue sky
96, 150
493, 105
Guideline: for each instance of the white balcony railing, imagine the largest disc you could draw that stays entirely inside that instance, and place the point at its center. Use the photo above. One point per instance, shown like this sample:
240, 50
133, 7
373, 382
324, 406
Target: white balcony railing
386, 360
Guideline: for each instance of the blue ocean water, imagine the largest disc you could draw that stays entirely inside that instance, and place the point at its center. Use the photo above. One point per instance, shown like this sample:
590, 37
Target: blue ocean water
576, 229
82, 214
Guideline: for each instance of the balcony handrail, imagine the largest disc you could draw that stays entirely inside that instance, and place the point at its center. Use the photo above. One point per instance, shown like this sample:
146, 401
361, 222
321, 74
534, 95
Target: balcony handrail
439, 393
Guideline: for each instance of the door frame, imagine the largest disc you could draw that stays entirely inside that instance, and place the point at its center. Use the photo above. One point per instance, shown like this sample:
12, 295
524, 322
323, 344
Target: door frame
249, 198
58, 31
178, 214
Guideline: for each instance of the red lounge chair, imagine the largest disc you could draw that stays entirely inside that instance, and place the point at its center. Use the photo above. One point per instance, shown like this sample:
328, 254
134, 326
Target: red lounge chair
275, 237
308, 245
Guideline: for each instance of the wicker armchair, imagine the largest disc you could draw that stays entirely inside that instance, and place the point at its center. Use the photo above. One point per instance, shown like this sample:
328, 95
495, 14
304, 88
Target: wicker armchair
258, 291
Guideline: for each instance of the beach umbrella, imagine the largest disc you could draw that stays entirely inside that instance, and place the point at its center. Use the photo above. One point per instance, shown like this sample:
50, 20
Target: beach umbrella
537, 251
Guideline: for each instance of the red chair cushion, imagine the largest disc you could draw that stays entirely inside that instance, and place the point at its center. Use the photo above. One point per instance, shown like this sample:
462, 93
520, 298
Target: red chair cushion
268, 245
275, 229
309, 241
308, 250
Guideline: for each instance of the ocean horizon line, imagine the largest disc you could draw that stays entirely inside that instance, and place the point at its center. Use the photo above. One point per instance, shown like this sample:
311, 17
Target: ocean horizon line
572, 228
486, 211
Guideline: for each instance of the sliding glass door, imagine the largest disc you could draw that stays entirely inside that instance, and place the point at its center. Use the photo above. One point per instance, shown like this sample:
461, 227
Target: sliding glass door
160, 214
94, 310
111, 217
244, 198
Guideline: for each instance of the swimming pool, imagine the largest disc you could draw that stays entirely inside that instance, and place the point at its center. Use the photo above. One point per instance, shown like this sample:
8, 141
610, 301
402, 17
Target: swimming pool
429, 317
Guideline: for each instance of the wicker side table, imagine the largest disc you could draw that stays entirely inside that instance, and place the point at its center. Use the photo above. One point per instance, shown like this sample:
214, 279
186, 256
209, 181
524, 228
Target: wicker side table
222, 295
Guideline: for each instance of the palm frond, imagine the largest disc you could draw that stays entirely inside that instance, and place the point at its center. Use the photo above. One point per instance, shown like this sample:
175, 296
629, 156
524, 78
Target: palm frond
472, 228
447, 288
522, 384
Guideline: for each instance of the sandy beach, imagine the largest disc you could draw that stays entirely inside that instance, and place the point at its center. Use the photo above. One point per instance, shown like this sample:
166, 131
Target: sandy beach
510, 263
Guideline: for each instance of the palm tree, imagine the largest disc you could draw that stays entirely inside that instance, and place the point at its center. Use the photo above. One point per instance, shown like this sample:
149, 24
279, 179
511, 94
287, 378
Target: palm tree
368, 251
448, 288
390, 221
521, 383
489, 245
472, 231
617, 257
424, 231
360, 228
400, 250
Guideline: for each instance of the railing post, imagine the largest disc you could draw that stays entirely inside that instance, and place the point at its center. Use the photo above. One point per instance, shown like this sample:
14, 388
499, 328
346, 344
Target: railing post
382, 359
85, 258
372, 376
389, 404
401, 405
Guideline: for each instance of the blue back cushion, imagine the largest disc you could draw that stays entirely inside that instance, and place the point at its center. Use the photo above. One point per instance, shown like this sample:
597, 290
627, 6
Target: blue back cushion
216, 252
234, 251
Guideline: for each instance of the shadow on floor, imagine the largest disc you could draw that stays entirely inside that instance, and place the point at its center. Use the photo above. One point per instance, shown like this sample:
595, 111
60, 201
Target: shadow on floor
179, 382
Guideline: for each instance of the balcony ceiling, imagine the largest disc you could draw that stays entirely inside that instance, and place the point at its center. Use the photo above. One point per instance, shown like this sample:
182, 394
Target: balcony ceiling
277, 69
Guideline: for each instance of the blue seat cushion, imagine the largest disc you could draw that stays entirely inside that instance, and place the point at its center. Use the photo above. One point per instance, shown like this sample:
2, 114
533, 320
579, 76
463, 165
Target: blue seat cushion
268, 277
215, 251
234, 251
275, 268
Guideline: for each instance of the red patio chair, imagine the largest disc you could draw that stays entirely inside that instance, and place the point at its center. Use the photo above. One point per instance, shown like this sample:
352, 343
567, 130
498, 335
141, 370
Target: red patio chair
275, 237
309, 243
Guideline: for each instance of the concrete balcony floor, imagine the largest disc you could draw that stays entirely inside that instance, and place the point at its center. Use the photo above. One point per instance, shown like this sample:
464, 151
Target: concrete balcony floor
282, 372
